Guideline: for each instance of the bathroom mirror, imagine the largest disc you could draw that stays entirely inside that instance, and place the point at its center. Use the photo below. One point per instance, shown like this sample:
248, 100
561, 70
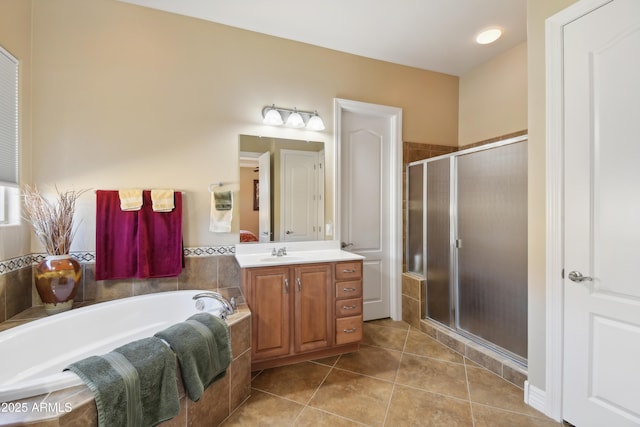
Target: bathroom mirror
282, 183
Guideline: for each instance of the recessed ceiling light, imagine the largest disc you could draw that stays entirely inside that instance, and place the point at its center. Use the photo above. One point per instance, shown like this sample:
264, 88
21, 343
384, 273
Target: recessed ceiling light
489, 35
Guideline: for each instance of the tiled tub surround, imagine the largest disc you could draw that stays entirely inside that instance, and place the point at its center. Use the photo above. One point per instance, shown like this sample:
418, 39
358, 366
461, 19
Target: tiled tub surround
76, 407
212, 268
205, 268
413, 299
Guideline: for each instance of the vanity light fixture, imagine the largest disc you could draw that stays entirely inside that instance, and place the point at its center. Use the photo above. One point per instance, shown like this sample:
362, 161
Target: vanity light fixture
488, 35
315, 122
294, 118
272, 116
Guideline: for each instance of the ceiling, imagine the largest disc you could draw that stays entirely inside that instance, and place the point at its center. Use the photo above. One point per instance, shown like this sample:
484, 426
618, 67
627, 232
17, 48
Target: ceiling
435, 35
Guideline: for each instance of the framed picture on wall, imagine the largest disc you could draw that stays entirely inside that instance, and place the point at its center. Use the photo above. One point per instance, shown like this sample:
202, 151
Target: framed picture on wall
256, 194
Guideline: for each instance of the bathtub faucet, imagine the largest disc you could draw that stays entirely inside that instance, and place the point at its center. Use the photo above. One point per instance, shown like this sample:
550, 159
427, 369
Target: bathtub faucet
228, 307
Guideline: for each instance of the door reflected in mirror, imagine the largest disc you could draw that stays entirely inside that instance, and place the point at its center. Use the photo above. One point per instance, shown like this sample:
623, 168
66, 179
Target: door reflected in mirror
282, 185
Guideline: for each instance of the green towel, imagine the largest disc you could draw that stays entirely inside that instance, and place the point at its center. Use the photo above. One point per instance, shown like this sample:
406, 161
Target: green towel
135, 385
224, 200
203, 349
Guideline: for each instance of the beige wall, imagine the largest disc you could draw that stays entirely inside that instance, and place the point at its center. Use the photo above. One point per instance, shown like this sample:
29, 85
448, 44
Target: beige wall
15, 37
537, 12
127, 96
493, 97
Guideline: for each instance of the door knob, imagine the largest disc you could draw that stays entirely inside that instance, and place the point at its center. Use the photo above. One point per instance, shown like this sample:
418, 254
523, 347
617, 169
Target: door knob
576, 276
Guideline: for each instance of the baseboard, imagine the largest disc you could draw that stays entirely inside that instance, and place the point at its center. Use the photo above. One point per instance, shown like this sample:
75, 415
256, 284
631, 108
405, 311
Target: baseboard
535, 397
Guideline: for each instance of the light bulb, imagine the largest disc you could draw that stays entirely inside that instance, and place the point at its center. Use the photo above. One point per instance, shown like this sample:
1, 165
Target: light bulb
295, 120
315, 123
272, 117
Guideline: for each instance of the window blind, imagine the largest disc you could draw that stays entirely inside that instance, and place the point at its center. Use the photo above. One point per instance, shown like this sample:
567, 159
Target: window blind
8, 118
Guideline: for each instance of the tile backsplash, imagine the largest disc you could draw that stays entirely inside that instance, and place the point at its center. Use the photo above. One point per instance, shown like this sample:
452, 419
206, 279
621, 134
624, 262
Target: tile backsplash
209, 268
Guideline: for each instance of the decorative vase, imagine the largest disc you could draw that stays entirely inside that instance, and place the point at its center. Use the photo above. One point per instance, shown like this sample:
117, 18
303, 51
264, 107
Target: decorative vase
57, 280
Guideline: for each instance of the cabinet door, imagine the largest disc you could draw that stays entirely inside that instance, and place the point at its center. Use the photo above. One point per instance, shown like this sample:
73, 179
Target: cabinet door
313, 308
270, 310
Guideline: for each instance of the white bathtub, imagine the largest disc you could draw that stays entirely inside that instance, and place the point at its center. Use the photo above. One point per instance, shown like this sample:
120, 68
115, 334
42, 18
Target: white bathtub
33, 355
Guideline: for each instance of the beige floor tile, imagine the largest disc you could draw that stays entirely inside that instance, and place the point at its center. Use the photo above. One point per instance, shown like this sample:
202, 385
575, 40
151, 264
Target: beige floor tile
294, 382
410, 407
423, 345
353, 396
329, 361
373, 361
485, 416
383, 336
433, 375
312, 417
487, 388
263, 409
398, 324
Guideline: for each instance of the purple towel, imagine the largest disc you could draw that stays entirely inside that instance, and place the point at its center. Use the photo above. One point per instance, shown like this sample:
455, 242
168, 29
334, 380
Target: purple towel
142, 244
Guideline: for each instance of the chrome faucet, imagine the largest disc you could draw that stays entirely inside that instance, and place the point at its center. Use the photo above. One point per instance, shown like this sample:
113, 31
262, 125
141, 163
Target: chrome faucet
228, 307
280, 252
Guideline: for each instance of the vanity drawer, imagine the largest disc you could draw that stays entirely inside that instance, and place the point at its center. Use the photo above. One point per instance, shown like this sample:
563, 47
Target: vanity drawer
348, 270
350, 289
348, 329
349, 307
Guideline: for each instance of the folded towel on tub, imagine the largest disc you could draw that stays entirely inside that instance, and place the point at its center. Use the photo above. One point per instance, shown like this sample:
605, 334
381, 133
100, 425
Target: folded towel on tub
134, 385
203, 348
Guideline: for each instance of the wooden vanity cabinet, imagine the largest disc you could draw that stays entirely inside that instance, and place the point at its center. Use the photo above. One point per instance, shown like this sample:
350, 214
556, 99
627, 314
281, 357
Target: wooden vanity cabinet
300, 312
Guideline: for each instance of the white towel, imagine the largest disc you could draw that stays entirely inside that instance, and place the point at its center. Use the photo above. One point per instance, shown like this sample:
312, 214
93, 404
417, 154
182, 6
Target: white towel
130, 199
162, 199
220, 220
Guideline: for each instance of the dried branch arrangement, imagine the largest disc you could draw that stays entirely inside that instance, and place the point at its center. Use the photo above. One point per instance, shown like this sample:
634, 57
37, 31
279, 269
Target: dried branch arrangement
52, 222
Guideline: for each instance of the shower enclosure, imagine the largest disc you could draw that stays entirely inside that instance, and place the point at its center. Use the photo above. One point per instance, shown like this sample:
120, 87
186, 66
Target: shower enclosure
467, 235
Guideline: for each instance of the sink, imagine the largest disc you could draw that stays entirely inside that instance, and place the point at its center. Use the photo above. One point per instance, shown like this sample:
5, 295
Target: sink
283, 258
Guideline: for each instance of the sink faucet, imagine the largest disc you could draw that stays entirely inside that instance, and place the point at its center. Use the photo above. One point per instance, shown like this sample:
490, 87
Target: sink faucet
228, 307
280, 252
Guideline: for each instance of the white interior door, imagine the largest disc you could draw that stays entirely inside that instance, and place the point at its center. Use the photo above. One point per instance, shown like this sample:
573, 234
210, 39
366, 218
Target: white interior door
366, 194
601, 382
264, 200
299, 195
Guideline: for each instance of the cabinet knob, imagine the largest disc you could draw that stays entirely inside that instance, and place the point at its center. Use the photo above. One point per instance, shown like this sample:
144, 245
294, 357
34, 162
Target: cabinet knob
299, 282
286, 286
348, 289
349, 331
348, 307
348, 271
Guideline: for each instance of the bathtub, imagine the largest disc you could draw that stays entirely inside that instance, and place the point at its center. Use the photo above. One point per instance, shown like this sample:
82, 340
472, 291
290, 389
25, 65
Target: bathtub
38, 351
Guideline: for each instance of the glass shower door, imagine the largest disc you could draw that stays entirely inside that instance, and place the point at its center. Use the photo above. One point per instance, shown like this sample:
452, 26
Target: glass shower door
438, 248
492, 246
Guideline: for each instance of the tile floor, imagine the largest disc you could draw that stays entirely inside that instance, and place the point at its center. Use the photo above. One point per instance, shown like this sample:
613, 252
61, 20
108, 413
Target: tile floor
399, 377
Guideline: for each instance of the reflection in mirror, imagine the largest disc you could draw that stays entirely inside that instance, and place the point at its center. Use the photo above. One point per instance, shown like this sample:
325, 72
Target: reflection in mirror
281, 189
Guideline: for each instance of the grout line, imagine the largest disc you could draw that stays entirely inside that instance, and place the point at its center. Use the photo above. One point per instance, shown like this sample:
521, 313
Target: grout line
466, 376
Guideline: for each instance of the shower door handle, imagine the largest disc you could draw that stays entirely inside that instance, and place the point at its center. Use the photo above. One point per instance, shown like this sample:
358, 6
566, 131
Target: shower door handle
576, 276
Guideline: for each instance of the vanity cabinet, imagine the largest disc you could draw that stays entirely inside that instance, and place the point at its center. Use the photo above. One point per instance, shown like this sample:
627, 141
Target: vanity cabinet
303, 311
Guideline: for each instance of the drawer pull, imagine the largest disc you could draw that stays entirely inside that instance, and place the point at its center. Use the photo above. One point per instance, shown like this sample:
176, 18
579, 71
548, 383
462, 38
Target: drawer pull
286, 286
348, 271
349, 331
349, 307
348, 289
